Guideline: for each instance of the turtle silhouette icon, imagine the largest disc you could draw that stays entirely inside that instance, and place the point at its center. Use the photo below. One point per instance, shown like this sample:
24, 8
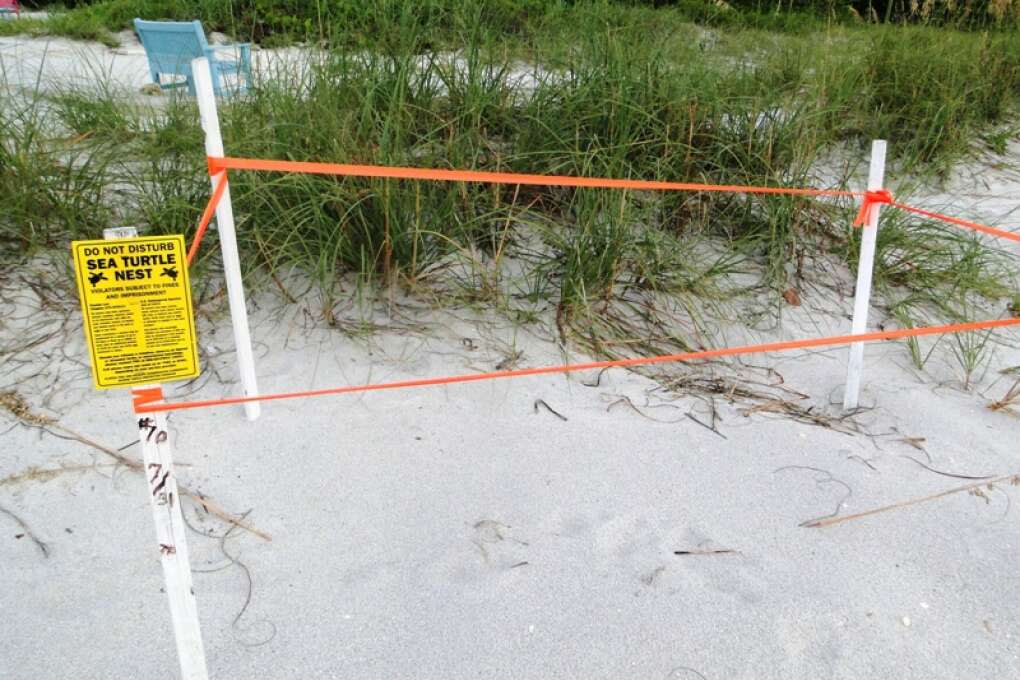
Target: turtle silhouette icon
170, 272
96, 278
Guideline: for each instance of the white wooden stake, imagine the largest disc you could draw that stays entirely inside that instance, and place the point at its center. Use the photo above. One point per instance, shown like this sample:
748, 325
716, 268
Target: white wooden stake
157, 455
865, 266
228, 239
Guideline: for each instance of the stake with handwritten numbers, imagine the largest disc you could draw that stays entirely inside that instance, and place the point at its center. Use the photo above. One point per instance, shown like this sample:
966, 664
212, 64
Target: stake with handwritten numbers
865, 267
157, 457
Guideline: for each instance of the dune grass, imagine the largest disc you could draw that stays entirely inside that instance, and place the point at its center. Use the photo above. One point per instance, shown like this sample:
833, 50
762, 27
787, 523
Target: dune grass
382, 22
605, 90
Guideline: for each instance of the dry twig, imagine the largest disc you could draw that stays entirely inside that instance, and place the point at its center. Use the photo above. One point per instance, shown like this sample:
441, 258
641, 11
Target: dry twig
1013, 479
1008, 401
19, 408
550, 409
27, 531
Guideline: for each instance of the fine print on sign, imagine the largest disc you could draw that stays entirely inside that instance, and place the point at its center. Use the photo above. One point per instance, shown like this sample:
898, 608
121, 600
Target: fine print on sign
136, 304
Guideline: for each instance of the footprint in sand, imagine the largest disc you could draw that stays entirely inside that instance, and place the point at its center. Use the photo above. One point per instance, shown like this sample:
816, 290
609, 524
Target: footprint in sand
479, 551
497, 545
716, 566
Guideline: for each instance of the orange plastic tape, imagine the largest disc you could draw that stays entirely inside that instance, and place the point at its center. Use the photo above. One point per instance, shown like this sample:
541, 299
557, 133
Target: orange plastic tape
394, 172
983, 228
150, 400
218, 168
871, 199
210, 208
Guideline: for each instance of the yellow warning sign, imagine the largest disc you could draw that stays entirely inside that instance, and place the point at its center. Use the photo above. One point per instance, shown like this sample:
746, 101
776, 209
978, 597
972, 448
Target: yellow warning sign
136, 303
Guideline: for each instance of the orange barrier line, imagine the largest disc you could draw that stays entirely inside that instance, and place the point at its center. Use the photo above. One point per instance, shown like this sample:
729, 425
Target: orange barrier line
207, 214
219, 166
148, 400
395, 172
957, 221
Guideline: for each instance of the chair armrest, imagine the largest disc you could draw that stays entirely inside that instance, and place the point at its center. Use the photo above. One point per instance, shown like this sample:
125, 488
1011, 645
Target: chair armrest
242, 49
241, 60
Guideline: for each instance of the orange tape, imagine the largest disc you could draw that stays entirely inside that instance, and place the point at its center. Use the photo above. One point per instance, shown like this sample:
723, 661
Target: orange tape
207, 214
871, 199
394, 172
983, 228
219, 166
149, 400
140, 396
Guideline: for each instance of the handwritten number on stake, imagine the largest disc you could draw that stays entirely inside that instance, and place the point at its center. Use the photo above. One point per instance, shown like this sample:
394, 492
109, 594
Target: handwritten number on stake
150, 425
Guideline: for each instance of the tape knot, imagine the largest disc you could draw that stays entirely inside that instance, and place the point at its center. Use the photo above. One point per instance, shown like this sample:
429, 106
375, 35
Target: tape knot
215, 165
871, 199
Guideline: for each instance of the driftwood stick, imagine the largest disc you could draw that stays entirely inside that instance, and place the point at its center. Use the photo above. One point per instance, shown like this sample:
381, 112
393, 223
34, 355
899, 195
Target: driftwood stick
27, 531
1013, 478
17, 405
206, 503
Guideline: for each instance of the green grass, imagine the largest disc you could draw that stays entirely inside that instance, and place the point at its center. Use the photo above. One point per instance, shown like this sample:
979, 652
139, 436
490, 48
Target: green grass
52, 187
384, 22
622, 91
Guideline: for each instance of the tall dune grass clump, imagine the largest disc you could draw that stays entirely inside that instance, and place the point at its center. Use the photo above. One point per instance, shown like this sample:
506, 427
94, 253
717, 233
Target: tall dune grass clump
51, 188
605, 110
383, 22
601, 89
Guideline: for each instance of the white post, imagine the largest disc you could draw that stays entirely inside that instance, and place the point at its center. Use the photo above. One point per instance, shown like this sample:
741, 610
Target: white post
865, 266
157, 455
228, 239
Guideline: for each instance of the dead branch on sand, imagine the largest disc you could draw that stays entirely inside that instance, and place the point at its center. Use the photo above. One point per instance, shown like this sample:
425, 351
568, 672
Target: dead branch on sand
1008, 401
19, 408
976, 489
27, 531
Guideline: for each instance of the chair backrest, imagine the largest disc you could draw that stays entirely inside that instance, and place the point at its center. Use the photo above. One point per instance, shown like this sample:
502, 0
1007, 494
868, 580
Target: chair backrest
171, 45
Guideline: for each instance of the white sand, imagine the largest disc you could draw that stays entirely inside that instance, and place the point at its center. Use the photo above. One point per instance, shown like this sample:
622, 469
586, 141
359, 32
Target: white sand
77, 64
458, 533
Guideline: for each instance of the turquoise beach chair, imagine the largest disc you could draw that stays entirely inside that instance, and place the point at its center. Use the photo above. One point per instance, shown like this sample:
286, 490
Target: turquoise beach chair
171, 45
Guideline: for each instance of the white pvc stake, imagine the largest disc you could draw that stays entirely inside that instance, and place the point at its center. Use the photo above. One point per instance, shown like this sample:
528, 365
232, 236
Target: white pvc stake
157, 456
228, 239
865, 266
